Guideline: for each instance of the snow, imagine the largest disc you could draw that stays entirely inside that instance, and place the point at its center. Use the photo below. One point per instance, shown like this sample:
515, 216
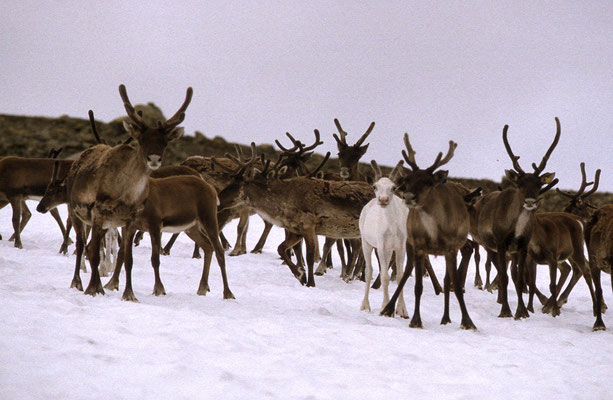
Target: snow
277, 340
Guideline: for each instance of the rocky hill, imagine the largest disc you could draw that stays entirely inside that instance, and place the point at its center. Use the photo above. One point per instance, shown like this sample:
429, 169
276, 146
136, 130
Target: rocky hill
34, 136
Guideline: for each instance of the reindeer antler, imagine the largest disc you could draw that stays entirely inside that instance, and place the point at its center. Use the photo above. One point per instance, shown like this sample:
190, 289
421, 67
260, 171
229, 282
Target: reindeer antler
316, 170
376, 170
92, 123
595, 187
180, 114
440, 162
409, 155
541, 166
136, 118
343, 139
365, 135
507, 146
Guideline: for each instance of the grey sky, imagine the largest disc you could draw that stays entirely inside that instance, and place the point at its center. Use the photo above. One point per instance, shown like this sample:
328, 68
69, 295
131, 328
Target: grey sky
438, 70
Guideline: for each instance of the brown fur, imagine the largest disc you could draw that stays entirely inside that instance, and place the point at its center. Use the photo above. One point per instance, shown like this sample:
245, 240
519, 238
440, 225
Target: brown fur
23, 179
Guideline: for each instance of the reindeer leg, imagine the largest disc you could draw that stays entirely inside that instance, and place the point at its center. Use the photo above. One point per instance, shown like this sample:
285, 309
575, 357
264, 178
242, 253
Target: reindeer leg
128, 238
531, 266
80, 244
156, 244
598, 324
435, 284
290, 240
419, 276
340, 248
213, 237
138, 237
93, 253
503, 278
203, 241
367, 250
241, 234
447, 288
67, 241
377, 282
467, 252
171, 242
259, 246
451, 260
322, 267
573, 281
564, 272
552, 304
196, 252
388, 310
311, 245
113, 283
488, 270
521, 311
401, 308
478, 281
16, 204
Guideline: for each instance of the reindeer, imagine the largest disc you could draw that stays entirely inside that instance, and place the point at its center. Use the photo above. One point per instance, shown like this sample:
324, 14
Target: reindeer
180, 203
598, 234
24, 179
349, 161
304, 206
437, 224
107, 187
504, 220
383, 226
557, 237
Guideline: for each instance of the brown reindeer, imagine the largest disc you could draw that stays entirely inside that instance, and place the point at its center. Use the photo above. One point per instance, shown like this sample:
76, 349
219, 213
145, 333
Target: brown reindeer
437, 224
598, 237
557, 237
107, 187
349, 162
24, 179
304, 206
504, 220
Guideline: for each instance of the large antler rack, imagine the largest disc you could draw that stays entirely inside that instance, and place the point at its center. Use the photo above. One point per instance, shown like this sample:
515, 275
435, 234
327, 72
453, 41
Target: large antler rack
240, 160
342, 141
579, 194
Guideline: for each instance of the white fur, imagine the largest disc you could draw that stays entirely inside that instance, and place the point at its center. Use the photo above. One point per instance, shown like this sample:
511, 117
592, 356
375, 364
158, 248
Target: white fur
384, 227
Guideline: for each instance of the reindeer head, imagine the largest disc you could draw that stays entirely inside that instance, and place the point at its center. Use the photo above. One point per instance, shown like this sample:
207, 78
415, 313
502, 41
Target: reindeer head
411, 184
296, 157
56, 192
530, 185
578, 203
349, 156
383, 186
152, 140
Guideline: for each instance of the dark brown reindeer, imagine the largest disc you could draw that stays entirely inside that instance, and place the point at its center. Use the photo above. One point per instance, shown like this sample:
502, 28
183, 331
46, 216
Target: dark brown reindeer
304, 206
598, 238
24, 179
504, 220
437, 224
349, 162
107, 187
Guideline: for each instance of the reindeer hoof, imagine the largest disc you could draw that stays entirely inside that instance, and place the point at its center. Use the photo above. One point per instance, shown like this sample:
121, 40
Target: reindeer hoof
203, 290
598, 326
227, 295
467, 324
416, 323
76, 284
445, 320
159, 290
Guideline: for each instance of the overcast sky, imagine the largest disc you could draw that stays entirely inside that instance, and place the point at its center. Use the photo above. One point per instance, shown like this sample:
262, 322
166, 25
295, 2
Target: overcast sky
438, 70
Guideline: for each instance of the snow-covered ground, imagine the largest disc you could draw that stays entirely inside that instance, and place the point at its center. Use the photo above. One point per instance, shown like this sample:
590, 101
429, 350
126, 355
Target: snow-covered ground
277, 339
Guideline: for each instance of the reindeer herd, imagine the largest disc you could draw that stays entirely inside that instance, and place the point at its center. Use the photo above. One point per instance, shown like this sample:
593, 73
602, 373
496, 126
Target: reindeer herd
411, 214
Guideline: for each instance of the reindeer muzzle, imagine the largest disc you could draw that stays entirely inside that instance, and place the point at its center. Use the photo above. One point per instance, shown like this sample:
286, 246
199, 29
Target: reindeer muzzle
344, 173
154, 161
383, 201
410, 199
41, 208
530, 204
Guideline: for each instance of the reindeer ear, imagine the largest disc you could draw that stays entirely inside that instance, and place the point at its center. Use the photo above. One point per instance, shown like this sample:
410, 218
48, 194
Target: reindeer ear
320, 175
441, 176
271, 174
282, 171
546, 178
175, 133
131, 128
511, 175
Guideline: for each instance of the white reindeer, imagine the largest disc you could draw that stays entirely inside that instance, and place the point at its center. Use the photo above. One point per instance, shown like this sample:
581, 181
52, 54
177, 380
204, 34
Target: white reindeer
383, 225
